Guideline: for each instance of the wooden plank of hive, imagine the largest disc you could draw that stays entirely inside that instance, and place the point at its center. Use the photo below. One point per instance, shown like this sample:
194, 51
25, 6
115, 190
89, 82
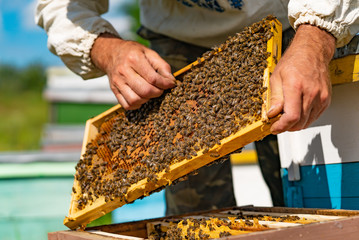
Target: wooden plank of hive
337, 229
312, 211
310, 217
255, 131
344, 70
330, 230
81, 235
112, 235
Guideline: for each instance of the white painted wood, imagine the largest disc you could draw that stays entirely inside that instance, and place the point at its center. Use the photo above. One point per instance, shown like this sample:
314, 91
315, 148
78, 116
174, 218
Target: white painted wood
65, 86
39, 156
249, 186
333, 138
56, 133
112, 235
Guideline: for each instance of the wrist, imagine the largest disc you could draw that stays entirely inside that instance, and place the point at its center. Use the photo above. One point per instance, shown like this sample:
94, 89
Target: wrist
101, 50
318, 40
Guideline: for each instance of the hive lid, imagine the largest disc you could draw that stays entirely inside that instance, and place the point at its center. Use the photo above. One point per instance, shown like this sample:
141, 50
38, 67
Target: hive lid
256, 130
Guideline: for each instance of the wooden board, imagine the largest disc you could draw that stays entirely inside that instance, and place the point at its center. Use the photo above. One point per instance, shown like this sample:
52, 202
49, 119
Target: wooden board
331, 225
253, 132
345, 69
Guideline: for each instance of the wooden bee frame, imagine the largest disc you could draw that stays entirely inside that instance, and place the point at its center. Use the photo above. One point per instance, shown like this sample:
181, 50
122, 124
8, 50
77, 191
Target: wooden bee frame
253, 132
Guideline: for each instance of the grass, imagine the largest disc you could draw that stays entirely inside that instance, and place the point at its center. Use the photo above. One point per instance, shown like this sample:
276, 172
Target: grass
22, 117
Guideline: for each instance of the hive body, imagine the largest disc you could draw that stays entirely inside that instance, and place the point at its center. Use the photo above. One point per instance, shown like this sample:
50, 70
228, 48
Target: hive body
217, 107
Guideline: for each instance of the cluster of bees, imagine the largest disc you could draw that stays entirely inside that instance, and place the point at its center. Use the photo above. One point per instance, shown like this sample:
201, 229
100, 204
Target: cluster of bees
212, 227
212, 101
205, 228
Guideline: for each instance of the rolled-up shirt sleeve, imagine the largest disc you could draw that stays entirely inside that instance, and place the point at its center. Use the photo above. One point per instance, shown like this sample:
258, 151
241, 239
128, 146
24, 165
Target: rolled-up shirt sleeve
338, 17
72, 27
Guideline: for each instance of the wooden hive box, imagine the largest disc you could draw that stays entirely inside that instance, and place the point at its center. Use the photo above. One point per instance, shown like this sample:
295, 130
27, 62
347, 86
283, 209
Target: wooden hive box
282, 224
85, 209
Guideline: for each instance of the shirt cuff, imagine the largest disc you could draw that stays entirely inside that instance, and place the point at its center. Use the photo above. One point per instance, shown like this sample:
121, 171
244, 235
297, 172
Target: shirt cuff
339, 31
80, 62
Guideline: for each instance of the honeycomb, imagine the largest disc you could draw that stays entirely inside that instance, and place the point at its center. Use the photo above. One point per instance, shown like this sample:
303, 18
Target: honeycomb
211, 227
140, 151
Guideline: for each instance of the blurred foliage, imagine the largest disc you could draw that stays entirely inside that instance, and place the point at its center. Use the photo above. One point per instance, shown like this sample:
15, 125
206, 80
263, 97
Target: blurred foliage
132, 9
14, 79
23, 111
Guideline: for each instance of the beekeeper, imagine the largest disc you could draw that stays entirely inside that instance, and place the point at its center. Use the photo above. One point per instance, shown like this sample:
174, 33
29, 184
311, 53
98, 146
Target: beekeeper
179, 32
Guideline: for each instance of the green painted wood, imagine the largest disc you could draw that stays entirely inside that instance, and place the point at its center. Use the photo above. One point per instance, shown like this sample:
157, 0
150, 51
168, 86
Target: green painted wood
32, 207
70, 113
35, 198
37, 169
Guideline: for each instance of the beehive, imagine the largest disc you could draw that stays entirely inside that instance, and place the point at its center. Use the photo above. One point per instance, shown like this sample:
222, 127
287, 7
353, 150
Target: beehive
249, 222
218, 106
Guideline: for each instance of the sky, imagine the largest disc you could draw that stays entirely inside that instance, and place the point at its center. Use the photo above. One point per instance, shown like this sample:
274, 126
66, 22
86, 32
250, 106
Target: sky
22, 42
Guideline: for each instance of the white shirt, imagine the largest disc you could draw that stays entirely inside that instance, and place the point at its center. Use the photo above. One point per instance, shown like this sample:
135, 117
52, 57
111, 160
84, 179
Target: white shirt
73, 25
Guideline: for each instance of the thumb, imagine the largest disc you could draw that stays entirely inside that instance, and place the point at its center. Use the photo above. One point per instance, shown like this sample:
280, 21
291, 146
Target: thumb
276, 100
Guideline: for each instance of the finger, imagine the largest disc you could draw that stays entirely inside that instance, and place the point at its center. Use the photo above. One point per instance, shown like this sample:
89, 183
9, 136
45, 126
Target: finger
313, 107
144, 68
125, 104
292, 109
132, 98
310, 109
276, 98
317, 111
305, 119
128, 98
162, 68
325, 98
312, 117
141, 86
121, 100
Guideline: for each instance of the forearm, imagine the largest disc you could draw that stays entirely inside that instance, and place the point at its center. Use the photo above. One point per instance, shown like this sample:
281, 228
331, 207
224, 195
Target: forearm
317, 41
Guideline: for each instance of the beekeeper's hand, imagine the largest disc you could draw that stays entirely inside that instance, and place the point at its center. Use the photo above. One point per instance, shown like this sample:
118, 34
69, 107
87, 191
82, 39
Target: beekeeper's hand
300, 84
136, 73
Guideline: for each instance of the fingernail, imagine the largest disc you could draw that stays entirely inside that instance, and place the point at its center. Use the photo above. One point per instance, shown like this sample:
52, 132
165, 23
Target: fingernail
169, 75
270, 109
